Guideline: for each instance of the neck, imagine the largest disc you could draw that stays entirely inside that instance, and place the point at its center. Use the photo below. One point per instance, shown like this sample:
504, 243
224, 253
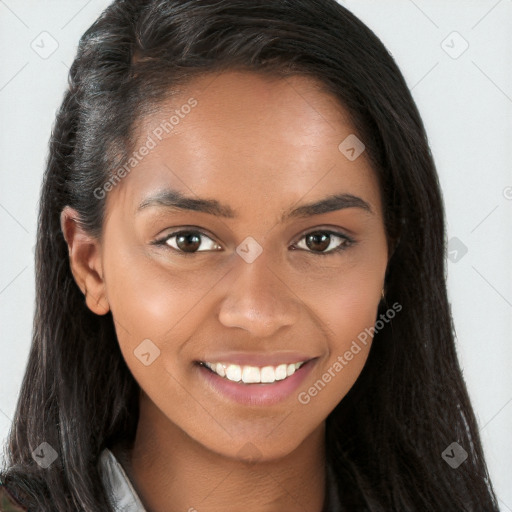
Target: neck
172, 472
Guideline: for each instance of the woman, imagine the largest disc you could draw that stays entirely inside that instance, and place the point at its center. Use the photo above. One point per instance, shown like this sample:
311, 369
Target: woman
241, 296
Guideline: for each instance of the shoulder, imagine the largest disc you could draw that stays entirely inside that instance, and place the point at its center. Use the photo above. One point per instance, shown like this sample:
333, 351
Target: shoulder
9, 500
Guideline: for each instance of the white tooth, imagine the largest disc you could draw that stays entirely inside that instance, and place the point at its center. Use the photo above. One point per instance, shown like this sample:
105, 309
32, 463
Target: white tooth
281, 372
290, 370
268, 374
219, 368
208, 365
251, 374
234, 372
298, 365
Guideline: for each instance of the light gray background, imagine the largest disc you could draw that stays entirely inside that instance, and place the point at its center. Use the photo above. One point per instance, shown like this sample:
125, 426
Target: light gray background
466, 104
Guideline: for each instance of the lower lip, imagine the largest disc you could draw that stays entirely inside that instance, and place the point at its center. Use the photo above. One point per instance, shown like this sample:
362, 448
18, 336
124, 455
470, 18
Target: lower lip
256, 394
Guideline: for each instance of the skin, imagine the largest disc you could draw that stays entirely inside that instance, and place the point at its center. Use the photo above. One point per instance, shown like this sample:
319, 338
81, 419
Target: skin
260, 146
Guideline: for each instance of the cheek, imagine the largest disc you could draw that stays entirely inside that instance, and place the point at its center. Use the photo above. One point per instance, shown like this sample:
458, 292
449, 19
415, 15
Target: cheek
350, 316
344, 303
346, 318
142, 300
156, 310
344, 296
159, 301
352, 302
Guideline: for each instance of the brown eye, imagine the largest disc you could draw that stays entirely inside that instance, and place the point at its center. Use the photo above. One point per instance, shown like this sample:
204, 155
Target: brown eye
190, 242
319, 241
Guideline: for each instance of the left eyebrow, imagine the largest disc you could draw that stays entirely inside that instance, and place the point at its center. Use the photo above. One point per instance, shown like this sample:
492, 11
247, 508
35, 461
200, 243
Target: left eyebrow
174, 200
329, 204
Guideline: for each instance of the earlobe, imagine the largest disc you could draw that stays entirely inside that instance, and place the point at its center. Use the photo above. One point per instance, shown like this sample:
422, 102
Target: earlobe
98, 305
85, 261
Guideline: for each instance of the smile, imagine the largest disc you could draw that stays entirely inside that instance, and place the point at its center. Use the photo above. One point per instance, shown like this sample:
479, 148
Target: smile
252, 374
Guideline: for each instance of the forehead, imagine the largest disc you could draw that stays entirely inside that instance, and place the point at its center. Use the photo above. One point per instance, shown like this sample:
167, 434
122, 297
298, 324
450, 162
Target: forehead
246, 138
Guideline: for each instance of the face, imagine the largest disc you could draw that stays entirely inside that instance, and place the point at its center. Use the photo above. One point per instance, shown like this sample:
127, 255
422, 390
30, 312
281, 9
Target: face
246, 239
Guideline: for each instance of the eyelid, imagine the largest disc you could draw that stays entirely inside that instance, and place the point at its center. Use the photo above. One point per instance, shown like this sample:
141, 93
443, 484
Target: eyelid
324, 229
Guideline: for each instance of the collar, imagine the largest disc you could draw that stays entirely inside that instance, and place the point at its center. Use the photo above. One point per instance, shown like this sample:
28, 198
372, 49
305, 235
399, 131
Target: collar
122, 495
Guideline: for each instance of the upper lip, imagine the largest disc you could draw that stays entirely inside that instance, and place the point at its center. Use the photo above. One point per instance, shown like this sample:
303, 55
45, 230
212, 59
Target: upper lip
248, 359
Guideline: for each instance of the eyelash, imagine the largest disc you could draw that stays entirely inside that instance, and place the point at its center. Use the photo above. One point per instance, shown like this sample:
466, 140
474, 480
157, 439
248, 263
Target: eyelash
347, 241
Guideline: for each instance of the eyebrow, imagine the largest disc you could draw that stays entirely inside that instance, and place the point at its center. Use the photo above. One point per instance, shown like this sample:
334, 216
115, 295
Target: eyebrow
174, 200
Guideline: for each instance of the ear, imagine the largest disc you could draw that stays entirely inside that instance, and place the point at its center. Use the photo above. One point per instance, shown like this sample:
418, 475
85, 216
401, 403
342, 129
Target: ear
85, 261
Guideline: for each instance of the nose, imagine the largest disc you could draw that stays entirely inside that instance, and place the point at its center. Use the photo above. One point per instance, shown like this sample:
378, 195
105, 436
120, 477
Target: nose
258, 299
